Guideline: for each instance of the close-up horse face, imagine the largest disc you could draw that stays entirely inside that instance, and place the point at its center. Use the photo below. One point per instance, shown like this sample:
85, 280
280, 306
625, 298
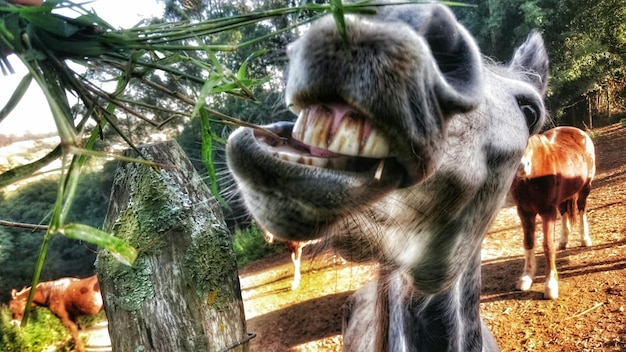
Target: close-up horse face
404, 146
406, 97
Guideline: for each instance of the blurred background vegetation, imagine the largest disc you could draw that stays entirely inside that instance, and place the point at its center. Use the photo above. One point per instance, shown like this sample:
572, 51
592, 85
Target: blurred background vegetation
586, 43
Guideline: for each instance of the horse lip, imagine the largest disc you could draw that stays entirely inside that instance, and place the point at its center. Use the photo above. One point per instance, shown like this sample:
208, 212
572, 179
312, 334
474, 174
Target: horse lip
281, 128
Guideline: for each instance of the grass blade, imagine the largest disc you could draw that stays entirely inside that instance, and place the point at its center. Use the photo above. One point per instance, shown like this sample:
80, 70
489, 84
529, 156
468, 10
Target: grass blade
121, 250
16, 97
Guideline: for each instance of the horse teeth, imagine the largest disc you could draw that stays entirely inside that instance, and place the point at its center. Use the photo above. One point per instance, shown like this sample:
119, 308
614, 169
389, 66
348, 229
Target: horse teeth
340, 131
379, 170
301, 159
337, 163
346, 138
313, 128
300, 125
318, 162
375, 146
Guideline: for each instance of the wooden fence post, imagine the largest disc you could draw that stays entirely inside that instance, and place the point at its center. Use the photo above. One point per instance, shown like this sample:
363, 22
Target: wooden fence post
182, 293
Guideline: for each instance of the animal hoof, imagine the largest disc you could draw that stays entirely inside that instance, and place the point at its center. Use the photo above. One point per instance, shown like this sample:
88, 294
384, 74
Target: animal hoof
586, 242
562, 246
551, 293
551, 289
524, 283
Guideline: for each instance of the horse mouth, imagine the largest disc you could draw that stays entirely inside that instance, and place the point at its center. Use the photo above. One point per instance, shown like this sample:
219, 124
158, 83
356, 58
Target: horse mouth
330, 136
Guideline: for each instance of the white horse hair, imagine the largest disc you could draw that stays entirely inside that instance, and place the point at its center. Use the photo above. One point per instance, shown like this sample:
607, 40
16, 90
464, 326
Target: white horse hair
405, 145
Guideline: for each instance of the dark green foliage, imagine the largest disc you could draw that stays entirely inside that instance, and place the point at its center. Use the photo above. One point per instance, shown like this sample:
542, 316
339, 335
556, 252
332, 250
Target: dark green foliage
586, 42
249, 245
42, 331
500, 25
6, 246
66, 257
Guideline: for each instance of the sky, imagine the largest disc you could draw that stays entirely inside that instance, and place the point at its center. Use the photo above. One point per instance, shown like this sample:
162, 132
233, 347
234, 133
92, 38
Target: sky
32, 114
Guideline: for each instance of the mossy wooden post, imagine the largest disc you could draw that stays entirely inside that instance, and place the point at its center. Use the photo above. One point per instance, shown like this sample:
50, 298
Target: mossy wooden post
182, 293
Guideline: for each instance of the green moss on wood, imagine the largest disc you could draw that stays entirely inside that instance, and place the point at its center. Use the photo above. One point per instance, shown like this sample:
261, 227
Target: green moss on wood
155, 208
132, 284
211, 252
152, 209
150, 212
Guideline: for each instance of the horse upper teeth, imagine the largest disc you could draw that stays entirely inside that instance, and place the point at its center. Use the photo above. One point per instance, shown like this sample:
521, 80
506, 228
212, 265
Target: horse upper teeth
376, 146
312, 131
348, 135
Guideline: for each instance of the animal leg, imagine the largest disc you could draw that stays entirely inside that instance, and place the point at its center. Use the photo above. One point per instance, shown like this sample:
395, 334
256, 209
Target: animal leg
585, 239
530, 265
566, 229
295, 258
73, 328
551, 290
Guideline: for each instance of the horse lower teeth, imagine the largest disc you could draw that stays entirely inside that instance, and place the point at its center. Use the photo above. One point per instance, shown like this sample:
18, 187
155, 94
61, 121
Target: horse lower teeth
379, 170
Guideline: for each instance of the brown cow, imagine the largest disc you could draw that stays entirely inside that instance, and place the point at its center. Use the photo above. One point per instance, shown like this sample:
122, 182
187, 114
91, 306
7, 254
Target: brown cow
67, 298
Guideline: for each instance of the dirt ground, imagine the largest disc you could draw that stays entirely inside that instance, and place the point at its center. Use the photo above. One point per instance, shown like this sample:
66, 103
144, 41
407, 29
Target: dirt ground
588, 316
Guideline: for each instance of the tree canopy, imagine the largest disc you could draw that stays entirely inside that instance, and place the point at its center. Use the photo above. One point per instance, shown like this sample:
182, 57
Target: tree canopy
586, 42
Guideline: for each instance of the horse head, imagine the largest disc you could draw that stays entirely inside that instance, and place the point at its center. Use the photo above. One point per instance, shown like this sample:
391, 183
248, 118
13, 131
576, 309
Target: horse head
405, 143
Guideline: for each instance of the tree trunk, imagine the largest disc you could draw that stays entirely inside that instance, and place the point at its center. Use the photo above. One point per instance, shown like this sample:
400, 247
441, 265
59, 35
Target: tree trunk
589, 113
608, 101
182, 293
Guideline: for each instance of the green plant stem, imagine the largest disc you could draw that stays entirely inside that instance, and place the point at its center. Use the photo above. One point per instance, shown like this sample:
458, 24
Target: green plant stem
24, 171
52, 229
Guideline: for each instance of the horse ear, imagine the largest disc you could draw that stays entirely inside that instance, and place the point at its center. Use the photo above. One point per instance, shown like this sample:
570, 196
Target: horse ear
458, 58
13, 293
531, 59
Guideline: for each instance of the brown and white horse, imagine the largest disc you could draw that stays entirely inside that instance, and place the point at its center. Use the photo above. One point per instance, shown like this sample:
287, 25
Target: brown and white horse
67, 298
295, 248
554, 177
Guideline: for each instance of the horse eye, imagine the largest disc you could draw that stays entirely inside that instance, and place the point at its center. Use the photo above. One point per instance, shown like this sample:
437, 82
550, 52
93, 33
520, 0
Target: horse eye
531, 113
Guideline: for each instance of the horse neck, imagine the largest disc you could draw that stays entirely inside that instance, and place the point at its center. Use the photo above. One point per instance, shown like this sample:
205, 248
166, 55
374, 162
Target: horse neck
448, 321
